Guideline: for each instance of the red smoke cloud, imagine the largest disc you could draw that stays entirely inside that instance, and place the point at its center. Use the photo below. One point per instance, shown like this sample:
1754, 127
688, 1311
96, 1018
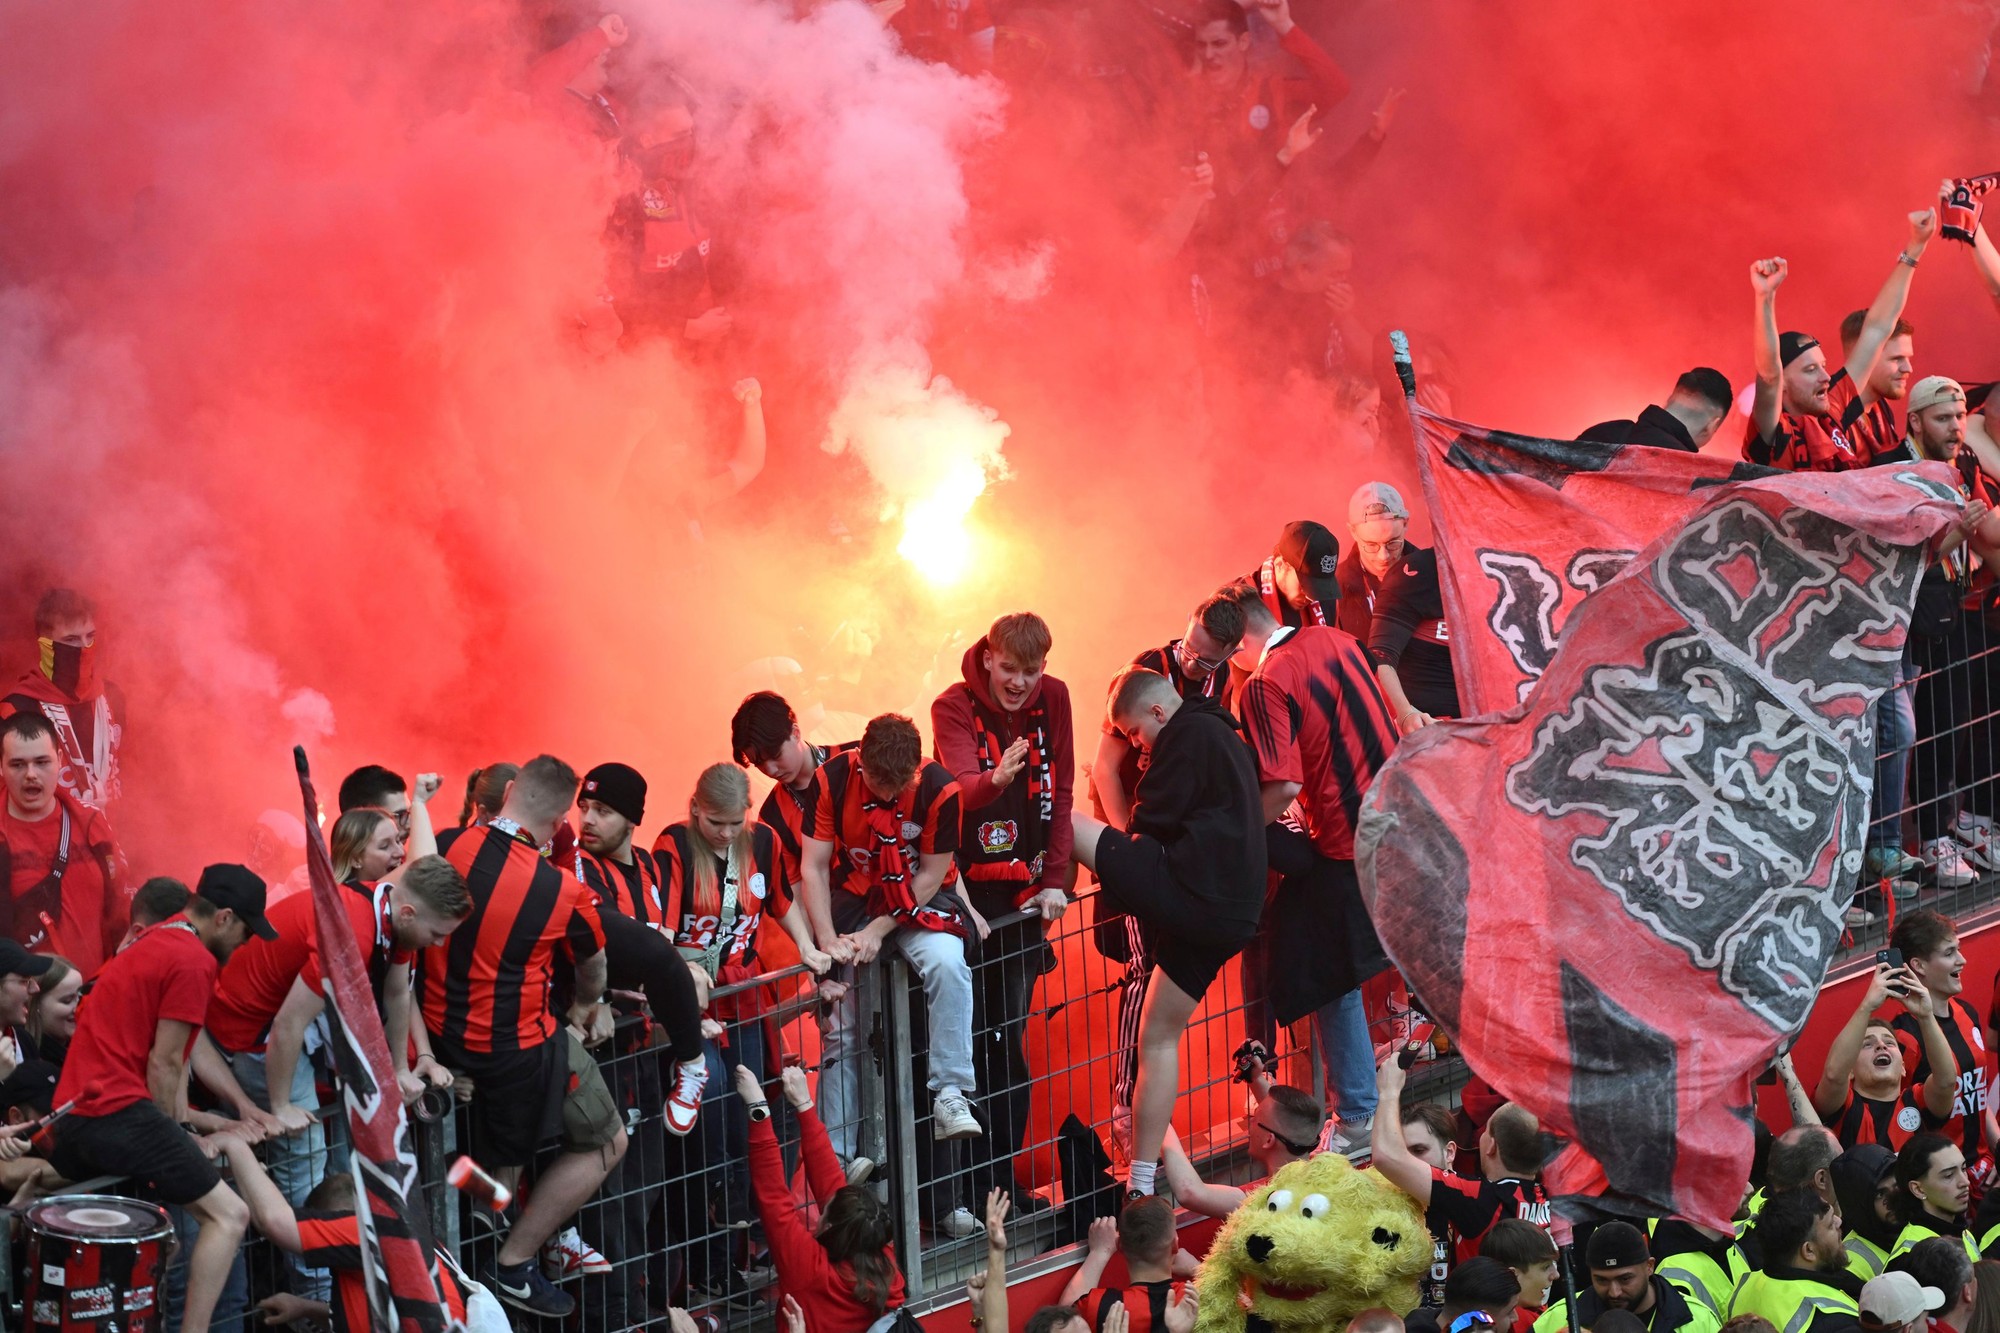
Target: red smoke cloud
295, 384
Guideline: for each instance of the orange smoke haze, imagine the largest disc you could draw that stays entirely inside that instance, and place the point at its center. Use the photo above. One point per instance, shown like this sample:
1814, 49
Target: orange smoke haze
290, 300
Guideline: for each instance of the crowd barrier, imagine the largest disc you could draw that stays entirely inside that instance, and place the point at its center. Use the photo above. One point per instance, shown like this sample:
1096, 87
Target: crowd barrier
675, 1222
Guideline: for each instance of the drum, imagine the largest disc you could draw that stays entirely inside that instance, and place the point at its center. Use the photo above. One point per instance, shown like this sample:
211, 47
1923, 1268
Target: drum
95, 1262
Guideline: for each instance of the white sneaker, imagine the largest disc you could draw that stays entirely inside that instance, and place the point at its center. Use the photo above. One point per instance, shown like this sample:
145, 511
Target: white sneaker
859, 1169
1351, 1141
1974, 839
684, 1103
951, 1117
960, 1224
1947, 864
568, 1255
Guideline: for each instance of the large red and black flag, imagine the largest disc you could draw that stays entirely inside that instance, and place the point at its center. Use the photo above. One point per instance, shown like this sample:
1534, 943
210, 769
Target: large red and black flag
397, 1260
1621, 895
1530, 527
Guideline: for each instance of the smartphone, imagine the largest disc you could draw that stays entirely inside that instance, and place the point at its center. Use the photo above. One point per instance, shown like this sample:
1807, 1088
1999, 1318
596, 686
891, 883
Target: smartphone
1890, 958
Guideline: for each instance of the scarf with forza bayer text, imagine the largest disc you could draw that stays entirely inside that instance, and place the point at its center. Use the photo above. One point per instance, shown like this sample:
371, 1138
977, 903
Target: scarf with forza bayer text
1677, 809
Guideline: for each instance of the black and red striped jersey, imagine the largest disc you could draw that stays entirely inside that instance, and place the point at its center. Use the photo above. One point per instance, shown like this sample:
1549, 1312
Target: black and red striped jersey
1960, 1022
1888, 1122
1315, 716
694, 918
790, 813
1466, 1210
1145, 1305
930, 820
487, 987
632, 888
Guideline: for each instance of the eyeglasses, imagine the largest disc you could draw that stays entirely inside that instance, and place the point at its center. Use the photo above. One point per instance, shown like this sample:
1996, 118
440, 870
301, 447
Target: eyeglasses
1191, 661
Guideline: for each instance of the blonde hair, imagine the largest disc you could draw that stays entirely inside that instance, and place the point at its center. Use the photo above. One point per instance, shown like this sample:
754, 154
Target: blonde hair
720, 789
348, 842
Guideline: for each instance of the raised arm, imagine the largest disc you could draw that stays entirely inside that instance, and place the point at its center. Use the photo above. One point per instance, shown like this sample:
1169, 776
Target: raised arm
1766, 276
747, 461
1330, 83
1834, 1079
423, 836
1392, 1156
1102, 1244
1941, 1088
1986, 258
1887, 308
1795, 1092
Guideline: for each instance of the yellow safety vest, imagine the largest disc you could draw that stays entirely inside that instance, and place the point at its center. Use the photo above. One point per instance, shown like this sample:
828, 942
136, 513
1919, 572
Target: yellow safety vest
1865, 1259
1789, 1304
1915, 1232
1702, 1279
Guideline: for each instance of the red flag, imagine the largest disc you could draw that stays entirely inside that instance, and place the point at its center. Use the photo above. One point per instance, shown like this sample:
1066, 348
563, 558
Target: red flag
1530, 528
1621, 896
397, 1261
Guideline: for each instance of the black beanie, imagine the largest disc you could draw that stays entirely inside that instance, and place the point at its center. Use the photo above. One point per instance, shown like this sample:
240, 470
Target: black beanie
618, 786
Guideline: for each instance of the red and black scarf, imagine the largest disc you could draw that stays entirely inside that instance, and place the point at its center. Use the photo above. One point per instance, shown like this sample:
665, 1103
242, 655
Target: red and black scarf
1018, 821
889, 869
1281, 610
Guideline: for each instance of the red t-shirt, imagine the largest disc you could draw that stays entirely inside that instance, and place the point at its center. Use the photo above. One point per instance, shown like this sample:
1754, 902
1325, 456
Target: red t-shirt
259, 975
91, 913
167, 973
1315, 716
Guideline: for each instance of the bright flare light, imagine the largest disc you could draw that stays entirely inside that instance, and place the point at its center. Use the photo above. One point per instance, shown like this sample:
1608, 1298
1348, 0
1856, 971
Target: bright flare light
935, 537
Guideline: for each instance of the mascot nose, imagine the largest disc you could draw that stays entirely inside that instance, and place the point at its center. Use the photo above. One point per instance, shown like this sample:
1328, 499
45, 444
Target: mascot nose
1260, 1248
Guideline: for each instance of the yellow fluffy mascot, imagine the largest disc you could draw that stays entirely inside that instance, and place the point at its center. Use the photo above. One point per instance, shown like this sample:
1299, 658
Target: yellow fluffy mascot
1316, 1245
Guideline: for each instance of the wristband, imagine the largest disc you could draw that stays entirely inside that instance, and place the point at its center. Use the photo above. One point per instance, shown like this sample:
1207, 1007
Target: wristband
1902, 257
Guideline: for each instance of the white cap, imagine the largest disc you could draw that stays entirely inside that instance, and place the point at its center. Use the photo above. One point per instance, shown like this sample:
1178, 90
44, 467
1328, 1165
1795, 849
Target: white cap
1374, 511
1895, 1299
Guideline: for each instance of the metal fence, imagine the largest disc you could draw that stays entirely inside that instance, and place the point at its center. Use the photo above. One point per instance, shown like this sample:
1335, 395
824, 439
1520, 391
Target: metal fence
675, 1223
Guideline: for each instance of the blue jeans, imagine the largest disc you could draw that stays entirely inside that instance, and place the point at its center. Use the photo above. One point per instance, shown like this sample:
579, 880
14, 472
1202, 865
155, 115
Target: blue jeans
1342, 1029
1895, 733
296, 1163
230, 1307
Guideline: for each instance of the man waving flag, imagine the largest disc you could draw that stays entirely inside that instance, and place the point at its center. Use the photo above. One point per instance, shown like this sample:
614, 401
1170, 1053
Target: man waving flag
1678, 809
397, 1260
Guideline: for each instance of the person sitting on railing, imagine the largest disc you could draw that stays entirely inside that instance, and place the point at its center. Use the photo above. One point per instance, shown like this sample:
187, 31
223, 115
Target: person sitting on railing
878, 870
1004, 732
1285, 1129
844, 1276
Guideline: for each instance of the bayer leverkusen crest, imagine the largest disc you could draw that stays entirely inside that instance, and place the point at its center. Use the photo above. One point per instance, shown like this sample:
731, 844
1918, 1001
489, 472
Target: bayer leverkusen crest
998, 835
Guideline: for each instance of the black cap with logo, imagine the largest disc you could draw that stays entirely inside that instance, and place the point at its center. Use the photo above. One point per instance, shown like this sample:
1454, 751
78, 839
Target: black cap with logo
1313, 552
240, 890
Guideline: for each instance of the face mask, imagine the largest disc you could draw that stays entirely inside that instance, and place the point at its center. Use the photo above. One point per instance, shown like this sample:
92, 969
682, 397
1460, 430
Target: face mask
72, 669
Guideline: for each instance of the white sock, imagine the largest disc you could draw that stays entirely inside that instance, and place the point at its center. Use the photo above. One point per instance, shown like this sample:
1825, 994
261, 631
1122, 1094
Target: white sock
1142, 1176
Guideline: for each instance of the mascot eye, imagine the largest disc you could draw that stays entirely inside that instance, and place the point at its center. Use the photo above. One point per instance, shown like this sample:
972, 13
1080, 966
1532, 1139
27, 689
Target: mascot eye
1386, 1238
1280, 1200
1314, 1206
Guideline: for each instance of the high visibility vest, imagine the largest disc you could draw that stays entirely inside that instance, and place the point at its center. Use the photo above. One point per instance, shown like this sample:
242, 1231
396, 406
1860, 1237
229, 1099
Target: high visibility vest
1703, 1280
1790, 1305
1915, 1232
1865, 1259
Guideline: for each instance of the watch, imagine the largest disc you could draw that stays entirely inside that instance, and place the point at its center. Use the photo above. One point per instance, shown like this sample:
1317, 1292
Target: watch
761, 1111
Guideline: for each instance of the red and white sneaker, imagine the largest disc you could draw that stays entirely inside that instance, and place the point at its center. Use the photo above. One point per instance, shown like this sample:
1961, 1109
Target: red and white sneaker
684, 1103
567, 1256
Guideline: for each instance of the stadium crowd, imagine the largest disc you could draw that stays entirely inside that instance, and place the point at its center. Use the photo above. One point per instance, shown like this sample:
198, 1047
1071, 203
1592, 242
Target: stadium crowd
597, 1001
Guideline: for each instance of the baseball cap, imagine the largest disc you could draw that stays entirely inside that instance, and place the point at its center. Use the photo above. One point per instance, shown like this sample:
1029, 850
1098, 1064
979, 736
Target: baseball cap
240, 890
1791, 346
1374, 510
16, 961
1932, 390
1616, 1245
1314, 552
32, 1084
618, 786
1895, 1299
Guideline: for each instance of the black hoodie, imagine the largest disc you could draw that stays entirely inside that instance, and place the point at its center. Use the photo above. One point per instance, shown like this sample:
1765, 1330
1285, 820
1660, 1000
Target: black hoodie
1200, 800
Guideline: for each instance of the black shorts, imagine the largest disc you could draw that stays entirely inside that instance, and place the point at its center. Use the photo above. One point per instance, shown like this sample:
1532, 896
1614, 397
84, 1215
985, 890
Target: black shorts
140, 1143
1191, 939
517, 1098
